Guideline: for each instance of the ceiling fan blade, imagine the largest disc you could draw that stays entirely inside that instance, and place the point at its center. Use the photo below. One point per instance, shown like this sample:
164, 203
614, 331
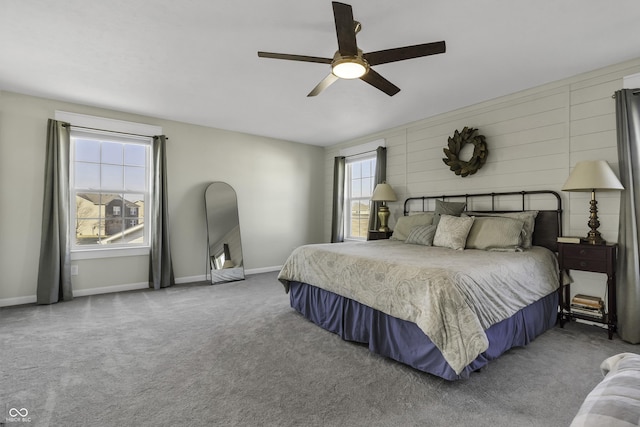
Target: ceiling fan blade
325, 83
402, 53
294, 57
345, 29
376, 80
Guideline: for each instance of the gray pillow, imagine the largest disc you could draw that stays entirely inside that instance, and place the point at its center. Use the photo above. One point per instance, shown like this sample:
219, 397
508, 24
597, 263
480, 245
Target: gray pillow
406, 223
422, 235
529, 218
496, 234
452, 231
447, 208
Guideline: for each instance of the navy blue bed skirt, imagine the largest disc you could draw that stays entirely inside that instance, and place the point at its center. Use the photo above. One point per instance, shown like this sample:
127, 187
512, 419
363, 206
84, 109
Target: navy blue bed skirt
404, 341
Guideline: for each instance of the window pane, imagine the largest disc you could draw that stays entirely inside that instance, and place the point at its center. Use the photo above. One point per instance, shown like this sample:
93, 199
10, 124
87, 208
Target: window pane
367, 183
112, 153
95, 228
87, 150
87, 175
113, 209
88, 214
355, 188
134, 178
87, 205
356, 170
112, 177
366, 168
134, 155
359, 218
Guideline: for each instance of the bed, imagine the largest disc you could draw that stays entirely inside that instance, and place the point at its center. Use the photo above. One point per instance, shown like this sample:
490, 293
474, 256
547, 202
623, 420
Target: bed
463, 279
615, 401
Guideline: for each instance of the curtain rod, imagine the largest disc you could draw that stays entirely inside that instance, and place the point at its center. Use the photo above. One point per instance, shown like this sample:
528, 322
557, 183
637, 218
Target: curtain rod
359, 154
632, 93
112, 131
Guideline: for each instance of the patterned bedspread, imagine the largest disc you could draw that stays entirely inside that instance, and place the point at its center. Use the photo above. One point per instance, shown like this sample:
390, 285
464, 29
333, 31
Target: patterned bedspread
453, 296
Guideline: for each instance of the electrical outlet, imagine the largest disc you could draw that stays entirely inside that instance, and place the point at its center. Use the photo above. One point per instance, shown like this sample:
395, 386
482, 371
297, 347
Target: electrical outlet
74, 270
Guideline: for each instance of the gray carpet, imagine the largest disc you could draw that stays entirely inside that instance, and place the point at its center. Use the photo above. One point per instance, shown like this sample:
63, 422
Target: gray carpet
237, 354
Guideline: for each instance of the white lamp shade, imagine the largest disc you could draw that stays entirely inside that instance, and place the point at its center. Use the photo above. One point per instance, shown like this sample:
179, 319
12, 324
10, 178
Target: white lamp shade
592, 175
384, 193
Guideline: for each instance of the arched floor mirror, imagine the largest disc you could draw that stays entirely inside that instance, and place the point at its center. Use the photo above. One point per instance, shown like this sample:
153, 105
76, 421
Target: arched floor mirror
223, 233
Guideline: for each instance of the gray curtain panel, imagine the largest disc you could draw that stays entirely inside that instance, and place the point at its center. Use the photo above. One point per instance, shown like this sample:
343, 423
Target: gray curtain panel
381, 176
337, 217
160, 265
54, 270
628, 270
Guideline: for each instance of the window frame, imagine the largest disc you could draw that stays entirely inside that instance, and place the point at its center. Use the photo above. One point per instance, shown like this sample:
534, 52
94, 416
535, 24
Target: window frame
101, 249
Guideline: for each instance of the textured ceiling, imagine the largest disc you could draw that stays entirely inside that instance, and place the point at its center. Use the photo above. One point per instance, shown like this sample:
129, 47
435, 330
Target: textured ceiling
196, 60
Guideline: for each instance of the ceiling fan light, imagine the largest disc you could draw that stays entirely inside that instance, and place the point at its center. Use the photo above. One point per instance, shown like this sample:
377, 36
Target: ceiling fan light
349, 68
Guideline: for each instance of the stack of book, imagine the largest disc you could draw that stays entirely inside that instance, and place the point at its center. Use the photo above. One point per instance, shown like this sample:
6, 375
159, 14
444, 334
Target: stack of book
570, 239
587, 305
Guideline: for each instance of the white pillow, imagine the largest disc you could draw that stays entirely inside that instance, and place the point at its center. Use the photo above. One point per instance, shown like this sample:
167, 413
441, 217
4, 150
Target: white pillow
406, 223
495, 234
452, 231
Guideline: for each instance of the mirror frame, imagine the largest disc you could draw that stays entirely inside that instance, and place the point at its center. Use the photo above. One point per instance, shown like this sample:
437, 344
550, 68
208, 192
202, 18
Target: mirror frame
222, 208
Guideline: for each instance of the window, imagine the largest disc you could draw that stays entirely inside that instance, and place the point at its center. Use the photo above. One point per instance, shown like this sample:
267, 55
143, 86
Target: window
110, 182
359, 181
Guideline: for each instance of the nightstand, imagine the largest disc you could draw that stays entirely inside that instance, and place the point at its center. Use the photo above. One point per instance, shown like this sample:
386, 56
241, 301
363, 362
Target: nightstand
379, 235
593, 258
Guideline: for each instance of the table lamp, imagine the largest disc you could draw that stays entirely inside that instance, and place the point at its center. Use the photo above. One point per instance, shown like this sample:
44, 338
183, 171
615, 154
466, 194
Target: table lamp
592, 175
383, 193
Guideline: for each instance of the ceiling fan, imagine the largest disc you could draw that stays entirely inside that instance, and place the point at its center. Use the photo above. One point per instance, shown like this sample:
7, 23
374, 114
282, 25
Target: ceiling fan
349, 62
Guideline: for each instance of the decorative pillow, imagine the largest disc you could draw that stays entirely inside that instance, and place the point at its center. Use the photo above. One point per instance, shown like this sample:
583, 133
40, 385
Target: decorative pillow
452, 231
447, 208
422, 235
406, 223
529, 218
496, 234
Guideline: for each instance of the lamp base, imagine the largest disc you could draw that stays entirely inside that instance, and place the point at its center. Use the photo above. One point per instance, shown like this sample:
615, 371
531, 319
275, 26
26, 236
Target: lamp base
594, 237
383, 215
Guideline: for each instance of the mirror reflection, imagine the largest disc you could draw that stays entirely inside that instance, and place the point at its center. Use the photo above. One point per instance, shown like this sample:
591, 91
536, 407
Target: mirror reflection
223, 233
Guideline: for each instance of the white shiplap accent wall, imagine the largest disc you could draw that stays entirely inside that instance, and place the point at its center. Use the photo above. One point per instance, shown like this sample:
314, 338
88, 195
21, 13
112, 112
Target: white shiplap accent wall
534, 137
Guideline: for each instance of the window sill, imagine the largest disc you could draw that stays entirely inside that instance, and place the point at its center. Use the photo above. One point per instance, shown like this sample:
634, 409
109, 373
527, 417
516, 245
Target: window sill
108, 253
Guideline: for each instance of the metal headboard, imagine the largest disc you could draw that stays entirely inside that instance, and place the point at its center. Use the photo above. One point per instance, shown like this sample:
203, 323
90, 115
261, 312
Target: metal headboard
548, 222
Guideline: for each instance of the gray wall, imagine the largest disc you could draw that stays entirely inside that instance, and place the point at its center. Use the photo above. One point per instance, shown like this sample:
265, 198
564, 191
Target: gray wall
278, 185
534, 137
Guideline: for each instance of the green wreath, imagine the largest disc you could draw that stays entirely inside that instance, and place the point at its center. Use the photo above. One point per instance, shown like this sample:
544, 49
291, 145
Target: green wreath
456, 142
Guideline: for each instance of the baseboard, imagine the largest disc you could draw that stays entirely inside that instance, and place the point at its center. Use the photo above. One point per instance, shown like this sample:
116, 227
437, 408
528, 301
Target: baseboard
7, 302
191, 279
262, 270
31, 299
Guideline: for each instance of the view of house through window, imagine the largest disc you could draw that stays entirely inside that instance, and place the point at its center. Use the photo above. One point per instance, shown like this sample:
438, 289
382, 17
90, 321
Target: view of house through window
109, 189
360, 178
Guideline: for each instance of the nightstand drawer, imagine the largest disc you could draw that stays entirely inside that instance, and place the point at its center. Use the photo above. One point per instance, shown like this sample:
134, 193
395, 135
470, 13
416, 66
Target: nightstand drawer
584, 252
585, 264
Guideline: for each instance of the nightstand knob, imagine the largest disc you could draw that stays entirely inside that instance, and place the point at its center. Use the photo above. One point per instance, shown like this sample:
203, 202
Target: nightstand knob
583, 264
582, 252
